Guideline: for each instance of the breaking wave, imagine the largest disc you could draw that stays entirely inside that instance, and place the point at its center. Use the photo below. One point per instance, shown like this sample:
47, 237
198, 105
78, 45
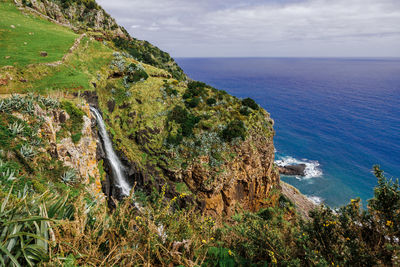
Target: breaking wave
316, 200
312, 166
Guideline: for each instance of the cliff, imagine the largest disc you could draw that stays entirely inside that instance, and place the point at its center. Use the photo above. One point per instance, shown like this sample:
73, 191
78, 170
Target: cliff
48, 145
213, 149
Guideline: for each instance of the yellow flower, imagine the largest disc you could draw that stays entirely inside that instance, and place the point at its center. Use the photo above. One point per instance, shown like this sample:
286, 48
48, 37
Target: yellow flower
212, 238
204, 242
389, 223
137, 218
230, 252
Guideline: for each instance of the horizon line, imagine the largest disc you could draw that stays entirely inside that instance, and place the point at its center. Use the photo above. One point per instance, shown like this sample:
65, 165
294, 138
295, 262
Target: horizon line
294, 57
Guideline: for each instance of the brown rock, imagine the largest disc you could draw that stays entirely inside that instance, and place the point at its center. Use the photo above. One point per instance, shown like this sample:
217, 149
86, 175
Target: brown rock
43, 54
302, 203
3, 81
245, 180
111, 105
297, 169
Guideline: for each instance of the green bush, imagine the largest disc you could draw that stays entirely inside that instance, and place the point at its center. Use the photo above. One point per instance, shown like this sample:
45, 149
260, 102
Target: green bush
195, 89
186, 121
135, 73
192, 102
235, 129
245, 111
169, 90
248, 102
211, 101
353, 236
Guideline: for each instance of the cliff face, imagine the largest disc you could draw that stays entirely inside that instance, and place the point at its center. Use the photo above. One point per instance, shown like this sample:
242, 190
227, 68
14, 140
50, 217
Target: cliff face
80, 156
77, 15
246, 181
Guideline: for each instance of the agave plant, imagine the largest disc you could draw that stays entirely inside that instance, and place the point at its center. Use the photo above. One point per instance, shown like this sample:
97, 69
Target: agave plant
26, 228
16, 128
29, 107
69, 176
49, 102
4, 107
9, 174
27, 151
36, 141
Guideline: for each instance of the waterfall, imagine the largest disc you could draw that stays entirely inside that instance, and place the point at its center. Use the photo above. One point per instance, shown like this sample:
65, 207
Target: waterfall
116, 165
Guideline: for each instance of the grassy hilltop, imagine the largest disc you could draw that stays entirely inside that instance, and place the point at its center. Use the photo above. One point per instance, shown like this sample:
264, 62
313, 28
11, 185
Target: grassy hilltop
202, 160
23, 37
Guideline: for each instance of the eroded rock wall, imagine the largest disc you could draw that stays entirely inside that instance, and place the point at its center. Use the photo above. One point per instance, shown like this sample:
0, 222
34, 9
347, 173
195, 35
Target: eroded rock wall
80, 156
245, 181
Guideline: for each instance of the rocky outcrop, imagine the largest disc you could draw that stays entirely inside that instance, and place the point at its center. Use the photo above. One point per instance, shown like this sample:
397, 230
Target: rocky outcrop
302, 203
245, 181
80, 156
75, 15
295, 170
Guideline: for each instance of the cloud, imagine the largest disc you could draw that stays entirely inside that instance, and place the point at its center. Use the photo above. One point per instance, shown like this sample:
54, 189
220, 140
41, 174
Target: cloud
264, 27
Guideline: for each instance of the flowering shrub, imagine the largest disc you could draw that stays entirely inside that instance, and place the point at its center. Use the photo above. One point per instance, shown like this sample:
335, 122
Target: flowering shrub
356, 237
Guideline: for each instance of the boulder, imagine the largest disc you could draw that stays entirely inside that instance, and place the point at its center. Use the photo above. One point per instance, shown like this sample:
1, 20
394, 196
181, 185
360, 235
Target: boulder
296, 170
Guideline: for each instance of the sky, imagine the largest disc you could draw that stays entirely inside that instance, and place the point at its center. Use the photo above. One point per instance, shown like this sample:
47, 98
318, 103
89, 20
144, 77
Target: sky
263, 28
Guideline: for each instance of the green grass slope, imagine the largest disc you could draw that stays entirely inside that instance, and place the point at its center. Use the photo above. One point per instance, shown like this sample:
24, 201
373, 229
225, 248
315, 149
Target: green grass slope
24, 36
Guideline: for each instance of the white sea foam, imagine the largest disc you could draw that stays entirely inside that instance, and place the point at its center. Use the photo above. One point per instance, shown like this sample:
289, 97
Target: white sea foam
312, 169
316, 200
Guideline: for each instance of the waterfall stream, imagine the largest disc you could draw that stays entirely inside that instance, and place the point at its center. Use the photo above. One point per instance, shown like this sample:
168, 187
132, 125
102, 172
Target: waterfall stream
116, 165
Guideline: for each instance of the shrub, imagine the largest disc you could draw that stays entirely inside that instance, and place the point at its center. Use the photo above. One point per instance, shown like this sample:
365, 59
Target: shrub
186, 121
194, 89
136, 73
169, 90
193, 102
245, 111
356, 237
211, 101
235, 129
248, 102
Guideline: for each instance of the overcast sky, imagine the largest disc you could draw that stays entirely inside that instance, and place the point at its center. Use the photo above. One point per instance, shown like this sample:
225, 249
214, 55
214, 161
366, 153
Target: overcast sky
263, 28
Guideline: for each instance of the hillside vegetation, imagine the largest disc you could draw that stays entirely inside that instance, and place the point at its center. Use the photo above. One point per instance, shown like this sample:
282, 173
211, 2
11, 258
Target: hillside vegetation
201, 161
24, 36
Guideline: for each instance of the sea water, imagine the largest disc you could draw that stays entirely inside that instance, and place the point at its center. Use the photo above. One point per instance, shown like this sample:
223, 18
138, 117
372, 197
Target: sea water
337, 116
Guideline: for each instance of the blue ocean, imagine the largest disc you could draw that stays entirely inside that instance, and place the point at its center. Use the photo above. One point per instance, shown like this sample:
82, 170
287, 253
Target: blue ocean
339, 116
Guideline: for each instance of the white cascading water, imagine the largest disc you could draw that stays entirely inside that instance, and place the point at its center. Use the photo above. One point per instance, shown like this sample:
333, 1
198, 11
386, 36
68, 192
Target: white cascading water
116, 165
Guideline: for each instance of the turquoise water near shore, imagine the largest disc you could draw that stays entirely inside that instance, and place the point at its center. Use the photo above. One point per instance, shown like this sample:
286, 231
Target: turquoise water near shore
339, 116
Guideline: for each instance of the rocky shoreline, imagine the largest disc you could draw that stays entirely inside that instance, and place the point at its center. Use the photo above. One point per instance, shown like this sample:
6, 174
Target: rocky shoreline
293, 170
